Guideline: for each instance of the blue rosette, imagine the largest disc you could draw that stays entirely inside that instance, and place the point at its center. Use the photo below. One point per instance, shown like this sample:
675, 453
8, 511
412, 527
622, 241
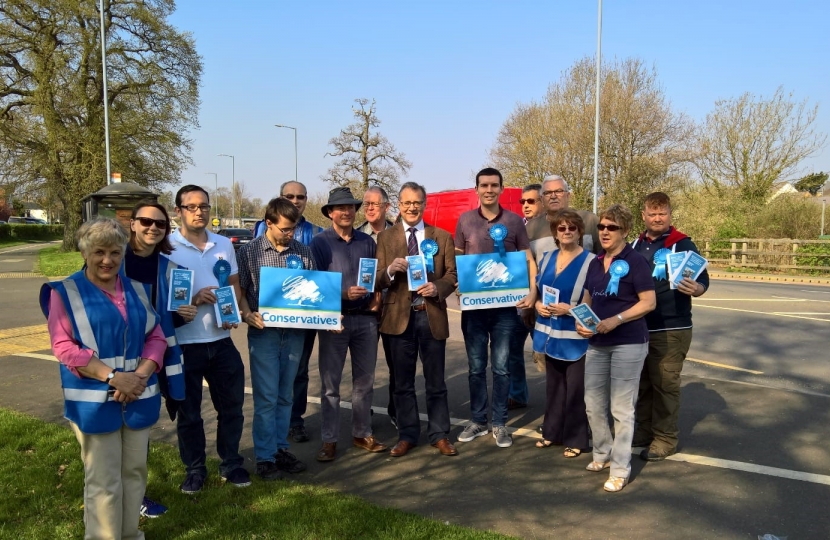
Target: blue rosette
618, 270
660, 258
294, 262
222, 271
429, 248
498, 233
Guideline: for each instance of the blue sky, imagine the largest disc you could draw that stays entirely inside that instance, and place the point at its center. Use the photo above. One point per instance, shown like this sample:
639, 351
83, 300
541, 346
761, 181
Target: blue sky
446, 74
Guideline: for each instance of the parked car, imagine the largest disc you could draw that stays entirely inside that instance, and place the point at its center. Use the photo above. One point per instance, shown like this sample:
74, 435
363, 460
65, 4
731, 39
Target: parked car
26, 220
238, 237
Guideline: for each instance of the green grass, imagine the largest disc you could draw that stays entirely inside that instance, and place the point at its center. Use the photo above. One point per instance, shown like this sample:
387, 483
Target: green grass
53, 262
5, 243
41, 479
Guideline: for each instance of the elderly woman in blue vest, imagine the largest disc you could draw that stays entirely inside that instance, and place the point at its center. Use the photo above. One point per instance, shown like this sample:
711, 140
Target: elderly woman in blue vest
110, 345
562, 272
620, 291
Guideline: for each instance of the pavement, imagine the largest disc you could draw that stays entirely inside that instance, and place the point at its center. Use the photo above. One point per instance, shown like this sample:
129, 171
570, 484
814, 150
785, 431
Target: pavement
754, 459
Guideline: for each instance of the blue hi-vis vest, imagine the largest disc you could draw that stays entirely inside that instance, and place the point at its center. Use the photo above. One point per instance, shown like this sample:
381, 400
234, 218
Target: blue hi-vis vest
98, 325
557, 337
173, 366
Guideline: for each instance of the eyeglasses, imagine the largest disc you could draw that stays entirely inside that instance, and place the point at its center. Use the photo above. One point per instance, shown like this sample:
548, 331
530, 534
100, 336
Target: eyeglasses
288, 230
557, 192
291, 197
563, 228
528, 201
205, 208
612, 228
373, 204
411, 204
146, 222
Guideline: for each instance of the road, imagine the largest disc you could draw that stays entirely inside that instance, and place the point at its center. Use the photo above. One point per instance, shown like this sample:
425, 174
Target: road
755, 442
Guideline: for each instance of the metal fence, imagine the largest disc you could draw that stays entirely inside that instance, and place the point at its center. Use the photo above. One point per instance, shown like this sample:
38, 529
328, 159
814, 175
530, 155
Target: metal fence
770, 254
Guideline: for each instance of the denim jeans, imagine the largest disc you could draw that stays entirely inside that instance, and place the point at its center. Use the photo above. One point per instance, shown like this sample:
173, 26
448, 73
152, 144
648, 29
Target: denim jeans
219, 363
274, 356
612, 375
301, 380
516, 366
500, 330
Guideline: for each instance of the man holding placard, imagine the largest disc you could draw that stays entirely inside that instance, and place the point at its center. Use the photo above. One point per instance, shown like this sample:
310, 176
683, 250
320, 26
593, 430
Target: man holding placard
670, 332
494, 275
415, 320
209, 352
339, 249
274, 351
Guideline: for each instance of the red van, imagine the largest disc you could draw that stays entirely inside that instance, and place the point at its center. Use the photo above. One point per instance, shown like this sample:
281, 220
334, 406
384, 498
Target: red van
444, 207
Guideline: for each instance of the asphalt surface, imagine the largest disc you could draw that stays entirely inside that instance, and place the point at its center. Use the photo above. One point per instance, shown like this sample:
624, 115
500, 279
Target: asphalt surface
755, 442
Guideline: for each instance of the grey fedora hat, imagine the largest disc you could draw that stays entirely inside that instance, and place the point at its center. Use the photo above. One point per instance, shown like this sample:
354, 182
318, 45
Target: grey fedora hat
340, 195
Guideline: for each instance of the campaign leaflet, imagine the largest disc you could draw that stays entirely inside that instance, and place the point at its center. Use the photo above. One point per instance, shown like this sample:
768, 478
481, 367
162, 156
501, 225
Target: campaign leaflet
366, 274
416, 272
489, 280
692, 267
227, 310
181, 288
586, 316
550, 295
295, 298
674, 262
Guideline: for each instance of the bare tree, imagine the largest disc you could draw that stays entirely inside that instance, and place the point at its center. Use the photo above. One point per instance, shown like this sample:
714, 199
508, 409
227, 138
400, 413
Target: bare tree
750, 143
367, 157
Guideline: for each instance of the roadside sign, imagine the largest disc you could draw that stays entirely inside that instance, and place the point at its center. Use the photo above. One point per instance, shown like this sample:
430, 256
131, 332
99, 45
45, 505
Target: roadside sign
215, 222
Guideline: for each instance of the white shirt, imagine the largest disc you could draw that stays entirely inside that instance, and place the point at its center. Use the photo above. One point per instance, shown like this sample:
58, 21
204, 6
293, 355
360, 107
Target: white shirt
203, 328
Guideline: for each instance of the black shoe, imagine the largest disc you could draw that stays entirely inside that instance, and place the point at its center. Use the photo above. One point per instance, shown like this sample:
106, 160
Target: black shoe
288, 462
192, 484
656, 454
540, 429
238, 478
268, 470
298, 434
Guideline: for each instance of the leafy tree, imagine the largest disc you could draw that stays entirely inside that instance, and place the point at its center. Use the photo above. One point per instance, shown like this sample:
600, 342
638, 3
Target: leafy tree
368, 158
812, 183
51, 96
750, 143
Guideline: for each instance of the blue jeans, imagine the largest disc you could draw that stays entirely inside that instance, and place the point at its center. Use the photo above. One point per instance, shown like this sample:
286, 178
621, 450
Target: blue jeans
612, 375
275, 355
219, 363
516, 367
502, 330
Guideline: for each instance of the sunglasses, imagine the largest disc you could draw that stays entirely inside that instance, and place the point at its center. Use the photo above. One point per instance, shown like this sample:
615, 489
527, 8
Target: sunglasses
611, 228
146, 222
528, 201
292, 197
563, 228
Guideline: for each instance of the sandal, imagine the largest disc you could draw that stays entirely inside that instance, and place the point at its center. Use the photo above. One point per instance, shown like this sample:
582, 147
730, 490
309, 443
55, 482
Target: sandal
544, 444
572, 452
596, 466
615, 483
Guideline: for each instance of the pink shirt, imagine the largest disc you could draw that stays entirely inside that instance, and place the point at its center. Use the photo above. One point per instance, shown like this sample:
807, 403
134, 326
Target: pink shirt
71, 354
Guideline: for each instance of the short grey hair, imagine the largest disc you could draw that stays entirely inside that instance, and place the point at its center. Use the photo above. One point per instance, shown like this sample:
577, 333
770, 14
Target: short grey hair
377, 189
414, 186
556, 177
101, 232
532, 187
282, 187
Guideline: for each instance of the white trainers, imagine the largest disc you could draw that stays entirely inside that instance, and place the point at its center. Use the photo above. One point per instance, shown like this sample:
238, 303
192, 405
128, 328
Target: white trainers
472, 431
502, 436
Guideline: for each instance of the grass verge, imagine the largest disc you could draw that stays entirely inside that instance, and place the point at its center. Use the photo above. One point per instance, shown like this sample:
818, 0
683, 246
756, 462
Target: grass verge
11, 243
42, 477
53, 262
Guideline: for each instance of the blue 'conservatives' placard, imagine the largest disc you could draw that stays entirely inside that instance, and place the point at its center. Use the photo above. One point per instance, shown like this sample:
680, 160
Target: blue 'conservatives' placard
290, 298
490, 280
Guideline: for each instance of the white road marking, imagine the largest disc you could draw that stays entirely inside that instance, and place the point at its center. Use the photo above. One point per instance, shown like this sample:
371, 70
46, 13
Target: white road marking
761, 313
724, 366
800, 313
820, 292
770, 299
11, 260
523, 432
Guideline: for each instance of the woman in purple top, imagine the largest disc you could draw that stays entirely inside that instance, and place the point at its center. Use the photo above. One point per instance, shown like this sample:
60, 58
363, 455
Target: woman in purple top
620, 290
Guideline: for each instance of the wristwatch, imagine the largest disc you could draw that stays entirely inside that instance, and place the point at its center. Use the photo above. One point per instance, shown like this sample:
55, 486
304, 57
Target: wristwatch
110, 376
620, 317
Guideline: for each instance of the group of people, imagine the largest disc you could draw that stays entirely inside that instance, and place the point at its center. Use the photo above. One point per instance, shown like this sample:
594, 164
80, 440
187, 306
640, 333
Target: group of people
120, 348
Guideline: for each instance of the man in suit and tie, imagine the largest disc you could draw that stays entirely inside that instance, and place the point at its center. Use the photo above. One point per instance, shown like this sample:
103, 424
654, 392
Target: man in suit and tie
416, 321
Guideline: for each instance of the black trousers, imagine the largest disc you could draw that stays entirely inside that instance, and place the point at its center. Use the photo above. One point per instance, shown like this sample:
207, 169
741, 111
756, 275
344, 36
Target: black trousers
405, 349
387, 353
566, 421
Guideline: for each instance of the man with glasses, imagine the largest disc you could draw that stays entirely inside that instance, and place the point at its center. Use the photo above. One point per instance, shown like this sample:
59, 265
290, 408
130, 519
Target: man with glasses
274, 352
209, 352
531, 201
556, 195
375, 207
339, 249
416, 322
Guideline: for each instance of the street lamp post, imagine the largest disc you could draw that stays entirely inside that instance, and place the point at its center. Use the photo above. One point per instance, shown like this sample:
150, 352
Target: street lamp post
296, 177
215, 192
106, 98
596, 113
233, 186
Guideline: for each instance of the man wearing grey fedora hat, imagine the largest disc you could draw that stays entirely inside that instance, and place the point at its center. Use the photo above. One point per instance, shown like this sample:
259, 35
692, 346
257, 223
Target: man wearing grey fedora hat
339, 249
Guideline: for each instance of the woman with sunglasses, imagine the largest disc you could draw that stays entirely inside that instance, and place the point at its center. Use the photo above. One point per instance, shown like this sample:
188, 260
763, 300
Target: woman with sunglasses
555, 335
620, 290
145, 261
